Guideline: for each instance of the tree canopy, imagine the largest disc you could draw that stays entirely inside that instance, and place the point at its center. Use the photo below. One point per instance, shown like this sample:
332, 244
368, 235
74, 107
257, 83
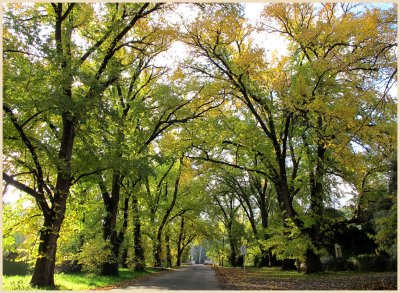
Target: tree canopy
124, 158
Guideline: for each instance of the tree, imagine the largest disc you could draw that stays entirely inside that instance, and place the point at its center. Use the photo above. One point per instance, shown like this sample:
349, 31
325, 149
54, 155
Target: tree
255, 197
185, 237
57, 53
94, 128
227, 208
324, 71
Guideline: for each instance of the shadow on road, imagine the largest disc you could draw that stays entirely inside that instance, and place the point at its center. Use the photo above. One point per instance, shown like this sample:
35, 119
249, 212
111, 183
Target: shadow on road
193, 277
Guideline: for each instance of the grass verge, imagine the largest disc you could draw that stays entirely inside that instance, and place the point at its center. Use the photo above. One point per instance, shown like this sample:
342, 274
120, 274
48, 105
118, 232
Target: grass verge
77, 281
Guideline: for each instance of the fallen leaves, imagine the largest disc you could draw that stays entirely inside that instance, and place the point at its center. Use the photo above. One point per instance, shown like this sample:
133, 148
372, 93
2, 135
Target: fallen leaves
274, 279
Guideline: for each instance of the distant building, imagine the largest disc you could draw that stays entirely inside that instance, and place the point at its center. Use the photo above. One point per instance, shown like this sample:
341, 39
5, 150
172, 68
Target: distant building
198, 254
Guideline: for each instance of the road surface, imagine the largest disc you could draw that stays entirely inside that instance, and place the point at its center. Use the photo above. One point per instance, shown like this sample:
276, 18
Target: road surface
194, 277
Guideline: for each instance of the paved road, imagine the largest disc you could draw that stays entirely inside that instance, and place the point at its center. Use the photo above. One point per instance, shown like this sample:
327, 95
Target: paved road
194, 277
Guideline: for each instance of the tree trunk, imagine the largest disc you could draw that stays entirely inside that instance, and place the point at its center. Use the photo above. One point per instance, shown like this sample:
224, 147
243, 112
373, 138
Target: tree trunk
137, 237
157, 245
179, 258
121, 235
264, 260
168, 249
43, 274
124, 258
273, 261
157, 253
313, 262
233, 256
179, 243
288, 265
110, 267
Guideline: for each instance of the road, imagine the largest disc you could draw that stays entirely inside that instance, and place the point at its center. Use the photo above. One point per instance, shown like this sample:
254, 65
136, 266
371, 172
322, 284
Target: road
194, 277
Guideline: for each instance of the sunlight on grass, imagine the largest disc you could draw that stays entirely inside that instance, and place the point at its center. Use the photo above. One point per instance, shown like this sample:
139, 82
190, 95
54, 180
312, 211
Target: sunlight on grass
78, 281
276, 272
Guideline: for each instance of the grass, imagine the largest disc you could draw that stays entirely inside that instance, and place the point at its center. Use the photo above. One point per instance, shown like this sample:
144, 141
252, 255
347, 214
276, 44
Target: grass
276, 272
77, 281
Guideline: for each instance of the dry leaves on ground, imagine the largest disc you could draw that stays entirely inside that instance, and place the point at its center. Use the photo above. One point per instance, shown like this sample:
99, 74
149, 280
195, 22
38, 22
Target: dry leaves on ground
236, 279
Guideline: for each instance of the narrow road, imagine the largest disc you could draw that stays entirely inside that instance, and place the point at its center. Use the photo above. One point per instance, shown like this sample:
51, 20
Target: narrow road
194, 277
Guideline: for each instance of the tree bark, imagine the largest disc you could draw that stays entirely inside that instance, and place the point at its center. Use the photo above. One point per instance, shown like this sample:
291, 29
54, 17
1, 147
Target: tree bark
316, 188
168, 249
157, 252
265, 260
288, 265
179, 243
183, 242
313, 262
137, 237
43, 274
121, 234
110, 236
273, 261
233, 259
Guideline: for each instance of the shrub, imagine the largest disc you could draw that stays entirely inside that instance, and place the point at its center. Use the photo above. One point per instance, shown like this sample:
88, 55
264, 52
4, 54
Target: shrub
338, 264
93, 254
373, 263
69, 266
14, 268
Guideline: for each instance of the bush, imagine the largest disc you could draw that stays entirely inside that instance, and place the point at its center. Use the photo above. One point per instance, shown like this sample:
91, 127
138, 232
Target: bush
362, 263
93, 254
69, 266
338, 264
373, 263
12, 268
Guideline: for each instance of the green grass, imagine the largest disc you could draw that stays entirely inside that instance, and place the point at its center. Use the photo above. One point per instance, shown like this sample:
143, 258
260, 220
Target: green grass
276, 272
78, 281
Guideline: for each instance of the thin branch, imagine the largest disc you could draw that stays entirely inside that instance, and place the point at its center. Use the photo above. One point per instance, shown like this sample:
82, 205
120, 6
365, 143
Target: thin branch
67, 12
29, 145
75, 180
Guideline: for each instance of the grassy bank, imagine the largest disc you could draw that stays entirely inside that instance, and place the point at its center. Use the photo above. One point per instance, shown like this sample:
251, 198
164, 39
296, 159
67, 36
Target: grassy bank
78, 281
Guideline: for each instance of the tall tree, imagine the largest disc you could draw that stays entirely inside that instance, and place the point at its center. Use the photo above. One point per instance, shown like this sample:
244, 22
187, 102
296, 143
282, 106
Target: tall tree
323, 71
48, 30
